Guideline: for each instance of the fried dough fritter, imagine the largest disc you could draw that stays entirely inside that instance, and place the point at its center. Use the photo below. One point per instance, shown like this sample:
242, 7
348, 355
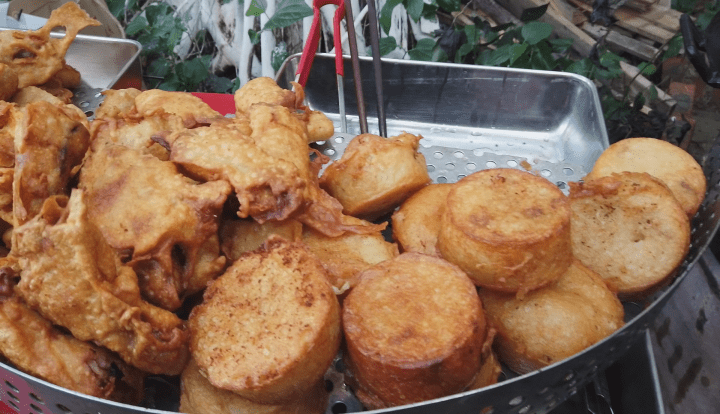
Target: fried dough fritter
198, 396
116, 103
8, 120
34, 55
242, 236
6, 197
50, 145
553, 322
269, 327
415, 224
630, 229
163, 222
8, 82
32, 344
192, 110
414, 328
72, 277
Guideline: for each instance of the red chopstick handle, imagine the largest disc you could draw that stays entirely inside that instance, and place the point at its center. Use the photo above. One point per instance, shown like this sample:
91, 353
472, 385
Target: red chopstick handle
308, 54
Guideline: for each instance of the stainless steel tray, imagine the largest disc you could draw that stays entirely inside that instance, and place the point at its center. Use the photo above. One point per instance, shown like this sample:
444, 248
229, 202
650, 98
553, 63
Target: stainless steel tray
104, 63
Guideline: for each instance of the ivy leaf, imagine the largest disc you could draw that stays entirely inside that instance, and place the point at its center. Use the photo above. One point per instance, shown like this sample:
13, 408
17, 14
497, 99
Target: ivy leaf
387, 45
157, 11
674, 46
450, 5
463, 51
159, 67
278, 55
287, 13
646, 68
533, 13
535, 32
516, 51
423, 50
385, 19
542, 58
429, 10
136, 26
116, 7
414, 8
171, 83
496, 57
561, 45
219, 83
256, 8
472, 33
192, 72
254, 36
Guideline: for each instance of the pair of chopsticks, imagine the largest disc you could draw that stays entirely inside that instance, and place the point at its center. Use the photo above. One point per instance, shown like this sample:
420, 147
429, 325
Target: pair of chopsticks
344, 10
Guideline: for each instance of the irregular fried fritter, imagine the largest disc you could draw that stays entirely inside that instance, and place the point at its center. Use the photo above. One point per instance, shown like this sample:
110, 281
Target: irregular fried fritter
269, 327
6, 196
50, 144
157, 218
32, 344
8, 82
34, 55
74, 279
8, 121
117, 102
242, 236
192, 110
136, 133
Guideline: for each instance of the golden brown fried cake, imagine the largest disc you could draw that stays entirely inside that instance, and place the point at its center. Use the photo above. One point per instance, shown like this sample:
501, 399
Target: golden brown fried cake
9, 117
117, 103
34, 55
8, 82
72, 277
414, 329
630, 229
242, 236
68, 77
263, 90
32, 344
376, 174
508, 229
344, 257
268, 188
269, 327
661, 159
553, 322
50, 144
135, 133
6, 197
157, 218
192, 110
198, 396
416, 223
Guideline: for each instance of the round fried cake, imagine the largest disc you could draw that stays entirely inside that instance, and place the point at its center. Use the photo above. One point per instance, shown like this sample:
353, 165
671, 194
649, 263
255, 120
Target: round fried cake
414, 329
269, 327
415, 224
376, 174
630, 229
509, 230
554, 322
661, 159
198, 396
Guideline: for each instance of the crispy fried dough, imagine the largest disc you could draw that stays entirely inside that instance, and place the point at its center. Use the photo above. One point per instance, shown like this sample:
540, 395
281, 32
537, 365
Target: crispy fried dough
192, 110
661, 159
34, 55
198, 396
376, 174
344, 257
6, 197
50, 144
8, 82
242, 236
157, 218
117, 102
630, 229
416, 223
72, 277
508, 229
414, 328
9, 117
32, 344
554, 322
269, 327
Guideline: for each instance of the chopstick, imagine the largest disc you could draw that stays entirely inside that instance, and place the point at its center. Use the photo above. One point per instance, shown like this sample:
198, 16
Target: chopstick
377, 67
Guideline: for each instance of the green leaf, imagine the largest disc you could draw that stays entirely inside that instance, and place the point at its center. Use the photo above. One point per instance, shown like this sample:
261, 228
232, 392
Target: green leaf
542, 57
386, 14
450, 5
228, 1
192, 72
463, 51
674, 47
218, 84
387, 45
497, 57
582, 67
652, 93
116, 7
430, 11
423, 50
516, 51
561, 45
254, 36
287, 13
236, 85
278, 55
157, 11
472, 34
414, 8
535, 32
136, 26
533, 13
172, 83
255, 9
646, 68
159, 67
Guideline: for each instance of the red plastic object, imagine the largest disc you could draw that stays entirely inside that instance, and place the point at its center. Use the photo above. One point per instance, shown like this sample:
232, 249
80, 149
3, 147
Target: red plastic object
223, 103
308, 54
